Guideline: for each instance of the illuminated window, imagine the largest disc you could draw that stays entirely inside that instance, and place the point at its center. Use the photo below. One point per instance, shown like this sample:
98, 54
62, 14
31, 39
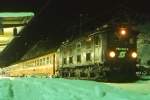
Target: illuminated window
65, 60
88, 56
50, 59
37, 62
43, 61
79, 58
70, 60
40, 61
47, 60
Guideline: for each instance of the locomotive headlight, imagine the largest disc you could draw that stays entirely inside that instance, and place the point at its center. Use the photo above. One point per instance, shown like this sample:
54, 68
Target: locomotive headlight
112, 54
123, 32
134, 55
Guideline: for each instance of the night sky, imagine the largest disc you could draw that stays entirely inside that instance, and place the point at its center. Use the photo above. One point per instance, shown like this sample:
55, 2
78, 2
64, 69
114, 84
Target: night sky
53, 19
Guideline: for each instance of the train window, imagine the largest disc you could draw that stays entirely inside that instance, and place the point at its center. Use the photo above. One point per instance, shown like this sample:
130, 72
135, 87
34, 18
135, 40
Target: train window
97, 42
50, 59
43, 61
47, 60
88, 56
79, 58
65, 60
70, 60
34, 62
40, 61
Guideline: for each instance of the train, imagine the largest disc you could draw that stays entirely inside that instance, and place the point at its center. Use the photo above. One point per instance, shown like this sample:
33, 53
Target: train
108, 53
43, 65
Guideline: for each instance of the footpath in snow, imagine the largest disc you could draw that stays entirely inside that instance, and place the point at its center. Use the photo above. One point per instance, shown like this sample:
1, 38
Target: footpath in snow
62, 89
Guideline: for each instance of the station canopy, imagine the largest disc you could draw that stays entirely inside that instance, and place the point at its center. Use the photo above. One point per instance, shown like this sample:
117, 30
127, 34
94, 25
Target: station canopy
11, 23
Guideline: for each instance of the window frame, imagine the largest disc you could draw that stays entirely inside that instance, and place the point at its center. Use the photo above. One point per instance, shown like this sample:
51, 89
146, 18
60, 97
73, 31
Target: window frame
79, 58
88, 56
71, 60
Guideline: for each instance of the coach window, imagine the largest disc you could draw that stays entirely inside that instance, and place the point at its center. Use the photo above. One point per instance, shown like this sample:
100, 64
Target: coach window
47, 60
88, 56
65, 60
35, 62
43, 61
70, 60
50, 59
79, 58
40, 61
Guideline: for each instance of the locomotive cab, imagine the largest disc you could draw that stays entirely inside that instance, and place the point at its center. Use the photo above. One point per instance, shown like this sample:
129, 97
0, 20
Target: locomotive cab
121, 52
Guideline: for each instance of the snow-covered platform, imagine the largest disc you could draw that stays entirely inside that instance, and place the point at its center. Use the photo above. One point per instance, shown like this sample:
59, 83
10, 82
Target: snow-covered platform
63, 89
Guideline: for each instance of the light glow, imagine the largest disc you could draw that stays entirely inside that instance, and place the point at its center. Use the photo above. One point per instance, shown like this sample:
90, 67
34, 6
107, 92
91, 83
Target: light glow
112, 54
123, 32
89, 39
134, 55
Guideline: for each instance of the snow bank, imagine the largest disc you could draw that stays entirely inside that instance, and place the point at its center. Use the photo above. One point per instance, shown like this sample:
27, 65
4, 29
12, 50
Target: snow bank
62, 89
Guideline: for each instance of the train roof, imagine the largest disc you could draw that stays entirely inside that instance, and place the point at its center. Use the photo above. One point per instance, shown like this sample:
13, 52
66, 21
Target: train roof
41, 48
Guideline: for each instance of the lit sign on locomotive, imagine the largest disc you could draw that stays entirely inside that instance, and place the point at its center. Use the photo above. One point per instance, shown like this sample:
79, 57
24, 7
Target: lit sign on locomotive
122, 52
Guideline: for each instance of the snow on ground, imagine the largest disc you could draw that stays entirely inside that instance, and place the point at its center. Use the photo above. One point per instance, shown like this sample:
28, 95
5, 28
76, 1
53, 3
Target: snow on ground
63, 89
140, 87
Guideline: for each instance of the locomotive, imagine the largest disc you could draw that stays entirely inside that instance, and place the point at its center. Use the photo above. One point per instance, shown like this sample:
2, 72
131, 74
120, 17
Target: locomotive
108, 53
